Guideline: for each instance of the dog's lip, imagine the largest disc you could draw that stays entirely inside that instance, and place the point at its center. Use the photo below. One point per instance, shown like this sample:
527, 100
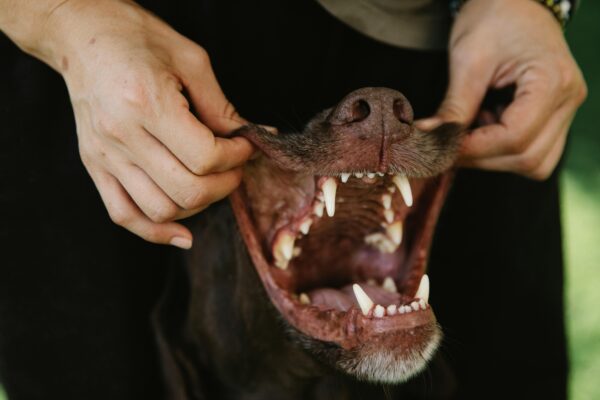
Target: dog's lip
351, 328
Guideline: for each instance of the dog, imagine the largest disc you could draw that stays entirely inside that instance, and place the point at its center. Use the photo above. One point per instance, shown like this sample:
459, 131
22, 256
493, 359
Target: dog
310, 282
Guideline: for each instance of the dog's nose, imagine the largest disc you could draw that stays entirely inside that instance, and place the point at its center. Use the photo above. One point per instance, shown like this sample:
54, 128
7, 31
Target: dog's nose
373, 110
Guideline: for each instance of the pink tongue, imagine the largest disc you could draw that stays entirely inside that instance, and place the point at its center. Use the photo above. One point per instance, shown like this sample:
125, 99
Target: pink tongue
342, 299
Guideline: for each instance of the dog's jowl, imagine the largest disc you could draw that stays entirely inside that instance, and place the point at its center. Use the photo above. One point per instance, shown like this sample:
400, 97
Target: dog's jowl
315, 272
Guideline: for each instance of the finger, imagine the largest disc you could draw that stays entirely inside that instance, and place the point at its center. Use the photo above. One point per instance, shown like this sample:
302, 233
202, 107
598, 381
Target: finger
207, 96
124, 212
193, 143
464, 94
519, 125
547, 167
528, 163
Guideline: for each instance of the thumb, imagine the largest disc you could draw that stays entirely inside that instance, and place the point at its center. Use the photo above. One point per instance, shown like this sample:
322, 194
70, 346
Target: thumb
208, 100
468, 85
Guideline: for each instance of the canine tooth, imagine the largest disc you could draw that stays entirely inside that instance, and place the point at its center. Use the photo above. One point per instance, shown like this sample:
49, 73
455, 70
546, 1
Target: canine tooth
414, 305
284, 249
371, 175
422, 304
389, 285
379, 311
388, 215
358, 175
304, 299
423, 290
386, 200
364, 301
344, 177
404, 186
329, 188
318, 208
394, 231
392, 309
305, 226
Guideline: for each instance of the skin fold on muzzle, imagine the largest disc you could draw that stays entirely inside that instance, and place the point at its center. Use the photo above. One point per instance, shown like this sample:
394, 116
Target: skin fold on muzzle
334, 224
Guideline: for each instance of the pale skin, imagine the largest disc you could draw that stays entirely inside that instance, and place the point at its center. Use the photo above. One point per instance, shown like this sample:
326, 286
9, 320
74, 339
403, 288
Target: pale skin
154, 162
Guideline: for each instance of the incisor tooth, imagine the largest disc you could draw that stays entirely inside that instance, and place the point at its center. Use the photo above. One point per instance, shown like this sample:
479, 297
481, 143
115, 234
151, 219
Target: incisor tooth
329, 188
305, 226
379, 311
414, 305
388, 215
394, 231
344, 177
423, 290
284, 249
371, 175
304, 299
404, 186
386, 200
389, 285
392, 309
358, 174
318, 208
364, 301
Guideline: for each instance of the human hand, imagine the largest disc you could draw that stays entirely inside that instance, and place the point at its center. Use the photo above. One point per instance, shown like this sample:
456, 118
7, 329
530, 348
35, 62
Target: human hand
151, 159
496, 43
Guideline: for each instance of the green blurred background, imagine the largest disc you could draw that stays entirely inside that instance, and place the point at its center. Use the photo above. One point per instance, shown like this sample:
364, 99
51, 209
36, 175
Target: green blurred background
581, 213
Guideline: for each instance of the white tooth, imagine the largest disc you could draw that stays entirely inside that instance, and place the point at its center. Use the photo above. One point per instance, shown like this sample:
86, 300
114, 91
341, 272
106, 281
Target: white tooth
422, 304
403, 310
388, 215
394, 231
371, 282
364, 301
284, 249
329, 188
305, 226
404, 186
386, 200
380, 174
389, 285
423, 290
371, 175
297, 251
304, 299
414, 305
381, 242
379, 311
318, 208
344, 177
358, 174
391, 189
392, 309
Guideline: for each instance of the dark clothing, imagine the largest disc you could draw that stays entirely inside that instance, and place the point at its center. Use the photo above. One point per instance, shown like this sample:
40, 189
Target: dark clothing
76, 291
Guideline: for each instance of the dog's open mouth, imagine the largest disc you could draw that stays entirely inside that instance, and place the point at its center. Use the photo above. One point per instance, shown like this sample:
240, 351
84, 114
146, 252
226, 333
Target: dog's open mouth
340, 237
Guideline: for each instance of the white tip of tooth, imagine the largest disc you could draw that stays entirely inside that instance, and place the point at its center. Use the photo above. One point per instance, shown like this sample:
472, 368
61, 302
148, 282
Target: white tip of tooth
283, 250
318, 208
344, 177
304, 299
305, 226
380, 174
414, 305
389, 285
404, 186
423, 290
392, 309
422, 304
394, 231
388, 215
379, 311
371, 175
386, 200
358, 174
329, 188
364, 301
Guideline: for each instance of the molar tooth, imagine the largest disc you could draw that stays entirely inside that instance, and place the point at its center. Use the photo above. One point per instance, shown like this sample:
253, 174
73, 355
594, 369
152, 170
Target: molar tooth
379, 311
283, 250
304, 299
388, 215
392, 309
344, 177
386, 200
404, 186
305, 225
422, 304
414, 305
394, 231
358, 175
423, 290
381, 242
371, 175
364, 301
329, 188
318, 208
389, 285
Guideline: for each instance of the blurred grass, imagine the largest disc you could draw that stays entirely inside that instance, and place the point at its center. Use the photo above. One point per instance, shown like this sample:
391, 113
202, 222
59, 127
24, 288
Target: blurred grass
581, 214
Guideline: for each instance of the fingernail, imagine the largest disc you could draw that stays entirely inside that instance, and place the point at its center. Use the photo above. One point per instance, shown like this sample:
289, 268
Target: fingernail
428, 124
181, 242
271, 129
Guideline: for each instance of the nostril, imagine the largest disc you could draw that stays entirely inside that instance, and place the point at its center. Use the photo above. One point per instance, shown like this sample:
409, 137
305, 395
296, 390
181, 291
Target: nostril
360, 111
403, 111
